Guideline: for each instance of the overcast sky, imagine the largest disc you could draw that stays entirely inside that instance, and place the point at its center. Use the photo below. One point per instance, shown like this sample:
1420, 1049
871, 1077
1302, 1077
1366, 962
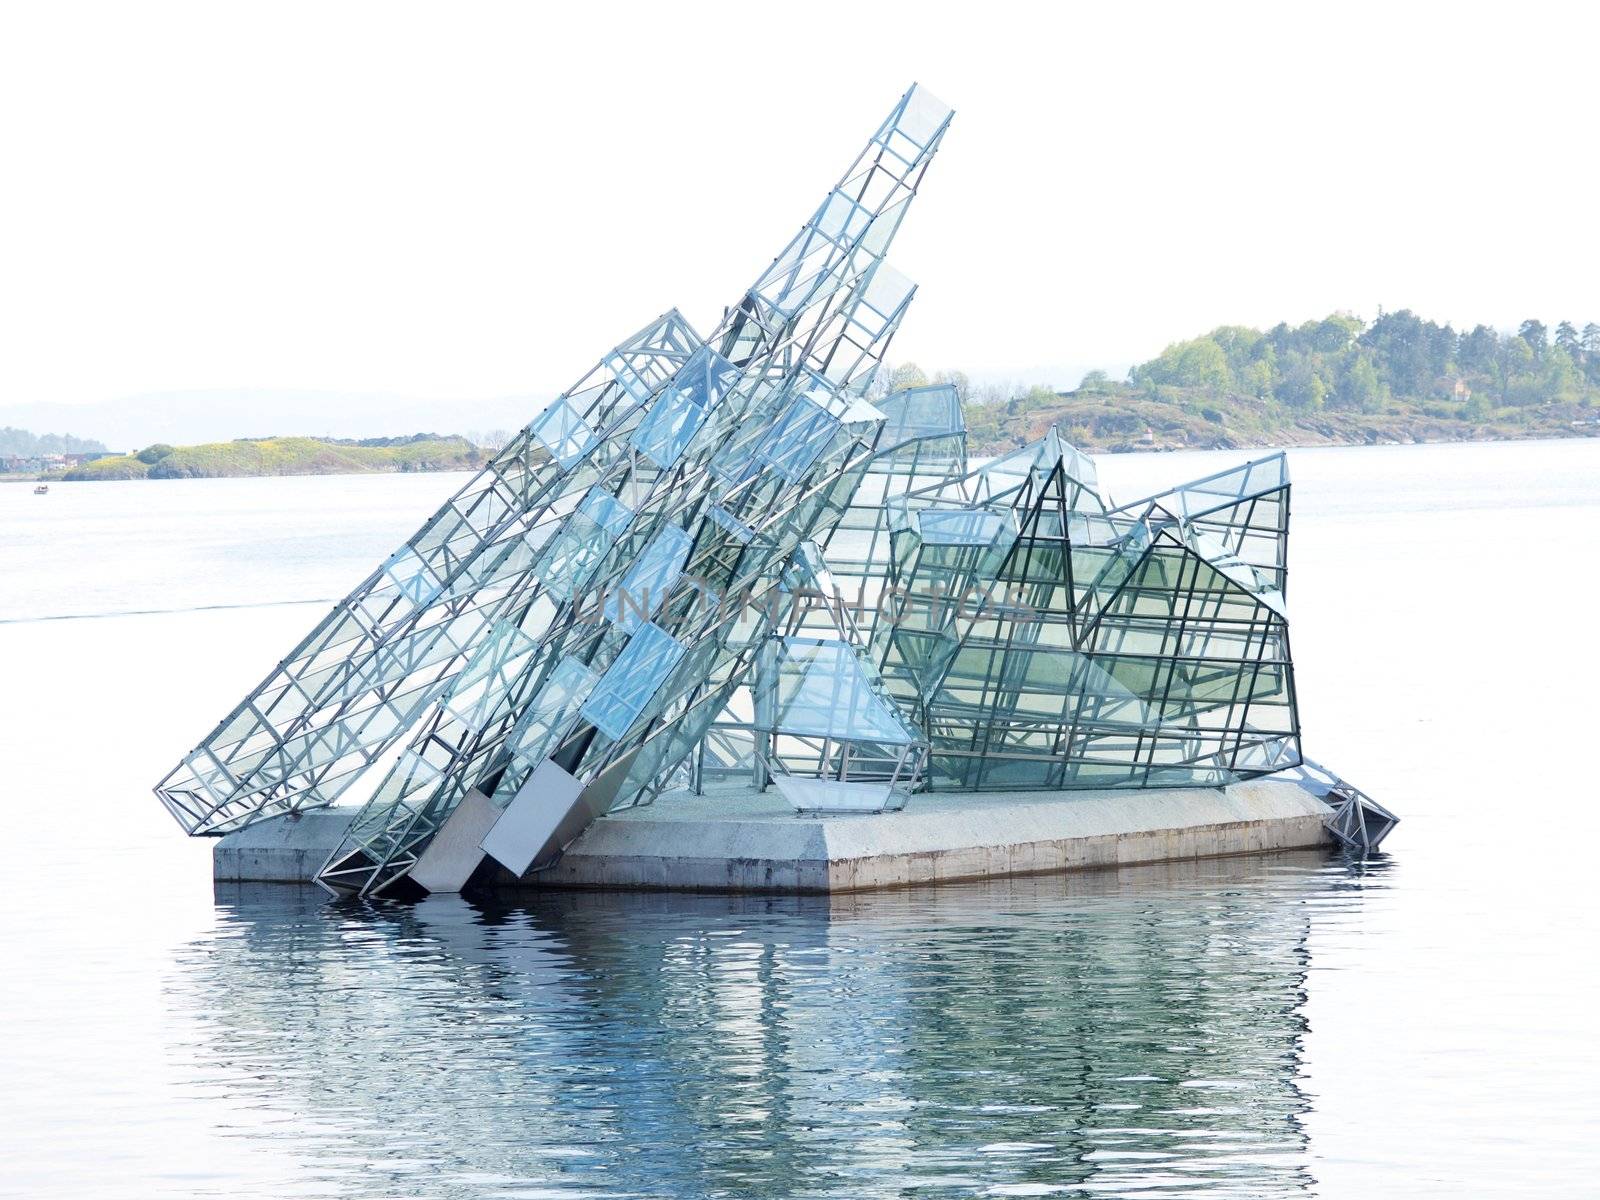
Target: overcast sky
473, 200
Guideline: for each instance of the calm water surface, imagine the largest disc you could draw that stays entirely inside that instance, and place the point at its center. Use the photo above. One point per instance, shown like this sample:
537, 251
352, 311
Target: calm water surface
1422, 1025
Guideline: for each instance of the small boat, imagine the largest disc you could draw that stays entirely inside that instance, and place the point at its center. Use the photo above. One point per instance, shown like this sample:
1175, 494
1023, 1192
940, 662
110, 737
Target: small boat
42, 489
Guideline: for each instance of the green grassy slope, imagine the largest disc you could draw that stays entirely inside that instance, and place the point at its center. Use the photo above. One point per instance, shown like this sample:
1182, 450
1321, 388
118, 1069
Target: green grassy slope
285, 456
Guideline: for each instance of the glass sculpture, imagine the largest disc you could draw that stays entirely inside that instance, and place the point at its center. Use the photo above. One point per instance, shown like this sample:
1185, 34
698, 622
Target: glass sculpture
732, 561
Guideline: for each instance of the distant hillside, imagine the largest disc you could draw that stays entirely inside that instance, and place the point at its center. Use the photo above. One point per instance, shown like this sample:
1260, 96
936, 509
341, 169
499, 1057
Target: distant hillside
286, 456
24, 444
1120, 416
1335, 381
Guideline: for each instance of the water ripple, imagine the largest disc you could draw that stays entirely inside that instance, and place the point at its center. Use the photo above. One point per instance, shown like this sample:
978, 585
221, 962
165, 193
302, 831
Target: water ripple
1131, 1034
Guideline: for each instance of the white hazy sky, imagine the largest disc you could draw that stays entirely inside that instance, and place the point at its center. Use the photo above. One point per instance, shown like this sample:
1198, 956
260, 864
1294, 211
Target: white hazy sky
471, 200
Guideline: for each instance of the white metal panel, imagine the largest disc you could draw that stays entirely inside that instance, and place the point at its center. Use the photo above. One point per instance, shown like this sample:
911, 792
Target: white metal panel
546, 813
454, 853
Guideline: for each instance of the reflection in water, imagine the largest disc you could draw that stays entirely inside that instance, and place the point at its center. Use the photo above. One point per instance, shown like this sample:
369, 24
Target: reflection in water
154, 1046
1111, 1034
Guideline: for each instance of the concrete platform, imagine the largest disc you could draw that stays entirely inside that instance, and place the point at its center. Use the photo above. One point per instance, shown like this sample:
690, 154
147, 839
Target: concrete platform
747, 842
744, 842
280, 850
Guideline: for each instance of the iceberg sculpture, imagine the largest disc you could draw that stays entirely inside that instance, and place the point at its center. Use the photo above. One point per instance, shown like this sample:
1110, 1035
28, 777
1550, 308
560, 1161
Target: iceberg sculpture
732, 559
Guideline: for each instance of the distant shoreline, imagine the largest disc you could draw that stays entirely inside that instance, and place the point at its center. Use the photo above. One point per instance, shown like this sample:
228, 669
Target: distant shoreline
256, 458
1119, 417
1370, 434
54, 480
1185, 431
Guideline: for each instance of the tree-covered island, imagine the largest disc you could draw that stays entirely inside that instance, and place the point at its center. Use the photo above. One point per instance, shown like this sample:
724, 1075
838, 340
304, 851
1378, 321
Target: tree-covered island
1339, 380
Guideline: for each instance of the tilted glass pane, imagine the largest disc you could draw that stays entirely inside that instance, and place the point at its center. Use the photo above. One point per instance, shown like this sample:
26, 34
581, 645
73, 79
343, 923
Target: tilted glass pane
799, 437
841, 218
822, 688
732, 524
923, 116
681, 409
606, 511
632, 680
647, 582
921, 412
882, 297
572, 557
551, 710
963, 527
480, 691
415, 579
564, 433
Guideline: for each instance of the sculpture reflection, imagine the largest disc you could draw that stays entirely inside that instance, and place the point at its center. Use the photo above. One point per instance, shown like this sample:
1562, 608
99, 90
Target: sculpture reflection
1114, 1032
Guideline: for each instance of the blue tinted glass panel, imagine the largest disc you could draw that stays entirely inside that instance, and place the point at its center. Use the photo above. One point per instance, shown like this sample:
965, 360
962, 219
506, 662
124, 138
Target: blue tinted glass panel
681, 409
841, 218
632, 382
632, 680
961, 527
921, 412
586, 537
798, 438
414, 578
564, 433
572, 556
823, 689
606, 511
551, 711
648, 581
736, 462
732, 524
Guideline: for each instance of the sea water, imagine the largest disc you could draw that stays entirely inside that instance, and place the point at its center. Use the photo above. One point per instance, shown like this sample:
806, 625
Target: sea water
1419, 1025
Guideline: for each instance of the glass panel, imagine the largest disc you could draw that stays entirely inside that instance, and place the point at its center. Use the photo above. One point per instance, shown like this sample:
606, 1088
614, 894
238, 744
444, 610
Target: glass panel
632, 680
882, 297
564, 433
585, 539
962, 527
551, 711
884, 227
923, 116
796, 275
822, 688
681, 409
921, 412
841, 218
632, 382
798, 438
648, 581
606, 511
732, 524
415, 578
481, 689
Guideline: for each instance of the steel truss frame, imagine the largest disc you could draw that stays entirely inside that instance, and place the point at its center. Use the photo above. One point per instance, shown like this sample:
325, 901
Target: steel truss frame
620, 590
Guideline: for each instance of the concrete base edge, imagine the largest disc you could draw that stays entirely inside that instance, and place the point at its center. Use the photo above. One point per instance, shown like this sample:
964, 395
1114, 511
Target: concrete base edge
281, 849
655, 873
753, 844
745, 842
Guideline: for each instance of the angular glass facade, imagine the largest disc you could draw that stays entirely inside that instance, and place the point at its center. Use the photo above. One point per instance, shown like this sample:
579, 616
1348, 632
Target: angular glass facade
733, 560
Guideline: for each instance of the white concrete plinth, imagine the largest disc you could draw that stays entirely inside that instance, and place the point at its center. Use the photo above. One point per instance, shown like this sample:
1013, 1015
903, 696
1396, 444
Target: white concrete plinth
748, 842
744, 842
288, 849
